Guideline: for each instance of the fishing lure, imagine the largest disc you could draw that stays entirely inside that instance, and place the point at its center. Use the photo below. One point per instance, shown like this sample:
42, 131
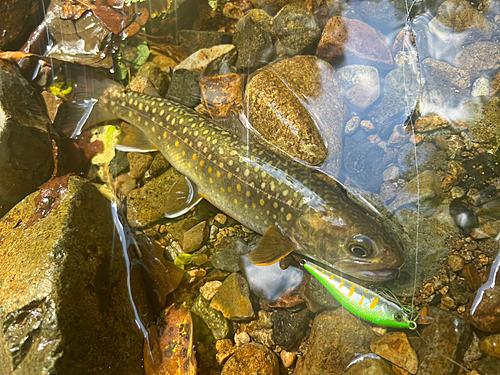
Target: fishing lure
361, 301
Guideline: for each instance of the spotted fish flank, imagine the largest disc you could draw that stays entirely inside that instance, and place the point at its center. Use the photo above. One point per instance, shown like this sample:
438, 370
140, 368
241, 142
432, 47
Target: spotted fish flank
291, 205
360, 301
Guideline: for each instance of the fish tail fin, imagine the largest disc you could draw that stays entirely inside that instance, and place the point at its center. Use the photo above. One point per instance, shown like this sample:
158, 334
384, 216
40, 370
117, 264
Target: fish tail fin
86, 109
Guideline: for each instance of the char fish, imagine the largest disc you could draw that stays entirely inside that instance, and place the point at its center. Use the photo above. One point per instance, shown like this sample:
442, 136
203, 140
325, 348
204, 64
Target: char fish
293, 207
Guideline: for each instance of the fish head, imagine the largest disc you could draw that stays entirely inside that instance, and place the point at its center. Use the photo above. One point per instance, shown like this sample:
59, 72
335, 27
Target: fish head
355, 245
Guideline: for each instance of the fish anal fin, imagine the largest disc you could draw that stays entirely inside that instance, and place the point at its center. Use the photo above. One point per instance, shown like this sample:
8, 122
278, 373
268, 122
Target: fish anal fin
273, 246
134, 140
182, 196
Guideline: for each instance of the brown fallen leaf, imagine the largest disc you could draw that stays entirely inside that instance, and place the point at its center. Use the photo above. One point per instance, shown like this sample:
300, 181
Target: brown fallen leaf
49, 198
168, 349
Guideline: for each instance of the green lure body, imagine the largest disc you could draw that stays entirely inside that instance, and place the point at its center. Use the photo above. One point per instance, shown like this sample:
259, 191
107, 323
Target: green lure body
361, 301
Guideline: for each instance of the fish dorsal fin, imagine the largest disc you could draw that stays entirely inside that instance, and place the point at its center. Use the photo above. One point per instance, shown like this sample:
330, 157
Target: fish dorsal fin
273, 246
182, 196
134, 140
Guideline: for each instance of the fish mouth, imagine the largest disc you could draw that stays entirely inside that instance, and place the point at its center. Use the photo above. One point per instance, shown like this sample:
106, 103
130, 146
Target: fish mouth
372, 274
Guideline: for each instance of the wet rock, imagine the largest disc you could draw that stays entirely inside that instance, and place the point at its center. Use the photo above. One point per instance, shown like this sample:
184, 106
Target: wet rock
488, 366
26, 152
222, 93
208, 61
445, 86
261, 330
276, 112
369, 364
428, 158
364, 162
482, 122
459, 290
147, 204
454, 175
431, 123
361, 85
459, 21
296, 29
472, 277
241, 338
139, 163
483, 310
63, 316
490, 345
391, 173
394, 347
213, 318
158, 166
195, 237
478, 58
481, 87
252, 359
289, 328
252, 38
184, 88
194, 40
353, 38
210, 288
449, 336
432, 247
233, 298
383, 13
400, 94
156, 76
388, 191
352, 125
227, 260
456, 263
18, 19
336, 339
119, 164
225, 349
288, 358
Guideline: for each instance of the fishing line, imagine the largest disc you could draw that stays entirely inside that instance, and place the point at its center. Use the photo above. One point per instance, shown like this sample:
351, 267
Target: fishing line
415, 155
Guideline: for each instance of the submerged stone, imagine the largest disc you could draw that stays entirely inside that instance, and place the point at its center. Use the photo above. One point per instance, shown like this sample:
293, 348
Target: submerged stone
361, 85
66, 307
252, 359
25, 149
448, 336
296, 29
252, 38
296, 104
337, 337
394, 347
147, 204
233, 298
214, 319
289, 328
353, 38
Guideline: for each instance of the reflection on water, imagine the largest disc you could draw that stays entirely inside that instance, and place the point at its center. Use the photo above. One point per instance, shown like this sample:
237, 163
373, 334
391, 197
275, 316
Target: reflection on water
271, 282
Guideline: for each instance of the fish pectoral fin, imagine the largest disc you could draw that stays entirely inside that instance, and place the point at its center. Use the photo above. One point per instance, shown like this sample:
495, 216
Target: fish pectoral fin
273, 246
182, 196
134, 140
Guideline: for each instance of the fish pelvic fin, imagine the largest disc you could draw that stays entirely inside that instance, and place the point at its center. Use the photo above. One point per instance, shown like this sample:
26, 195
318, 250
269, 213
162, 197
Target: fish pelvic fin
273, 246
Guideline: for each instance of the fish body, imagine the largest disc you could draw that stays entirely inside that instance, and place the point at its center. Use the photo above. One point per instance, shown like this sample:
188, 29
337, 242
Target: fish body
293, 207
361, 301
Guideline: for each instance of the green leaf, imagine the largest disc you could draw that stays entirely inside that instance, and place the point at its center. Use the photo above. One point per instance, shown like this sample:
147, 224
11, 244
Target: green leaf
141, 55
184, 259
213, 4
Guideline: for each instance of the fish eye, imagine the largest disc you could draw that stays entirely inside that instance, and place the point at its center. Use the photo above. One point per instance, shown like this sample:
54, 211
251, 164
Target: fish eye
398, 316
361, 246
